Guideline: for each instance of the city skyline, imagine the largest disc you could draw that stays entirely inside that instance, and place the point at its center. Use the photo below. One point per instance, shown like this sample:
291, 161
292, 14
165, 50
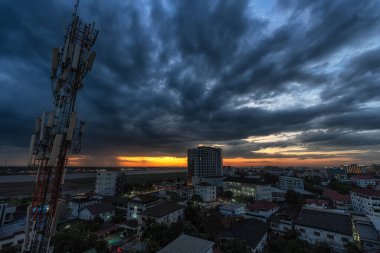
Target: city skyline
285, 83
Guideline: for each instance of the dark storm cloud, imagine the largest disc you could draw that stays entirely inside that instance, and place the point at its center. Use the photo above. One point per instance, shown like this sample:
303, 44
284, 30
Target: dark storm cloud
173, 74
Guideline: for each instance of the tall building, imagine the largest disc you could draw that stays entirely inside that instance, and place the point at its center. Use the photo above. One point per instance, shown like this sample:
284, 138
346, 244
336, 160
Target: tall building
109, 183
204, 162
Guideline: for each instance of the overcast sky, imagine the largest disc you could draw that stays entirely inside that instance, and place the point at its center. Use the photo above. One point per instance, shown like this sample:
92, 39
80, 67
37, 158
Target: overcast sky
271, 82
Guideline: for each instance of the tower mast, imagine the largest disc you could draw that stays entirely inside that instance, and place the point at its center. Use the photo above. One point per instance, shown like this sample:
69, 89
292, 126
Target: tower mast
57, 132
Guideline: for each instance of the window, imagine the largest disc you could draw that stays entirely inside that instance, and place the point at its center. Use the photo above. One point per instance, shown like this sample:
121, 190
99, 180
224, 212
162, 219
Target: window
344, 239
330, 236
317, 233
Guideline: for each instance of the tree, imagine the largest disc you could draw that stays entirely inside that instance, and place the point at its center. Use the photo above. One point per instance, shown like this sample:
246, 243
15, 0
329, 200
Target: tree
9, 249
197, 198
235, 246
352, 248
294, 198
228, 195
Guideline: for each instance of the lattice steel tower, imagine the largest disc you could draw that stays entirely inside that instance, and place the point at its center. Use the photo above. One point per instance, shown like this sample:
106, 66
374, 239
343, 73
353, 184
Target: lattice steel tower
57, 132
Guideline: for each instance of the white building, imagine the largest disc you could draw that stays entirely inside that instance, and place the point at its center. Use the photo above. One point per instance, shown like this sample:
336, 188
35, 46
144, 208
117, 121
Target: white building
232, 210
291, 183
109, 183
166, 212
140, 203
261, 210
249, 187
77, 203
322, 226
364, 180
6, 213
206, 191
103, 210
366, 201
366, 232
186, 244
282, 221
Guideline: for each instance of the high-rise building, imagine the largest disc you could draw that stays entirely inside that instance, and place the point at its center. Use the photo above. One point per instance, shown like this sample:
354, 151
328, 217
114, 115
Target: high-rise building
204, 162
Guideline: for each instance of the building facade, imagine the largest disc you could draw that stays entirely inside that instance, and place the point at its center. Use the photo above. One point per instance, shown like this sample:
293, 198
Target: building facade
248, 187
320, 226
366, 201
204, 162
109, 183
291, 183
206, 191
6, 213
364, 180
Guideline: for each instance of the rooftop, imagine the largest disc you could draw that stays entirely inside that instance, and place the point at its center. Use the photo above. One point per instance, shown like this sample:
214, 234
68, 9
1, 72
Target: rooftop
262, 205
367, 192
331, 221
362, 176
231, 207
317, 202
336, 196
245, 180
99, 208
144, 198
249, 230
187, 244
162, 209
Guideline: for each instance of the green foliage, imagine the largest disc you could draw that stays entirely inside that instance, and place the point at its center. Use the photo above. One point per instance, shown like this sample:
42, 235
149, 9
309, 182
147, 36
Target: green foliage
235, 246
194, 214
158, 235
227, 195
196, 198
119, 217
9, 249
352, 248
343, 188
243, 199
294, 198
77, 238
293, 245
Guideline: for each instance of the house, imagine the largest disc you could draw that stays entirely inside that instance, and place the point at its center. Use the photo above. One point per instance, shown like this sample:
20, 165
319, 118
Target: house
278, 194
77, 203
103, 210
12, 234
188, 244
366, 232
206, 191
253, 231
261, 210
281, 222
338, 200
366, 201
232, 210
291, 183
316, 203
6, 213
319, 225
140, 203
249, 187
121, 203
166, 212
364, 180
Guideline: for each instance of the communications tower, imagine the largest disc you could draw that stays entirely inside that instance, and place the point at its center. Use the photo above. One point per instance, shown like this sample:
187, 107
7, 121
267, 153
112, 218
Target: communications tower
57, 132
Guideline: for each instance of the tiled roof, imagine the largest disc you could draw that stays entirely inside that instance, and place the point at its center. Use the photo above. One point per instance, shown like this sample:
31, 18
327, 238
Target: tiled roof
336, 196
317, 202
187, 244
334, 222
144, 198
367, 192
262, 205
362, 176
162, 209
99, 208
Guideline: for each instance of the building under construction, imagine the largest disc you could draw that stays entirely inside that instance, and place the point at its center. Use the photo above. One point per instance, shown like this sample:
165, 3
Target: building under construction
58, 132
